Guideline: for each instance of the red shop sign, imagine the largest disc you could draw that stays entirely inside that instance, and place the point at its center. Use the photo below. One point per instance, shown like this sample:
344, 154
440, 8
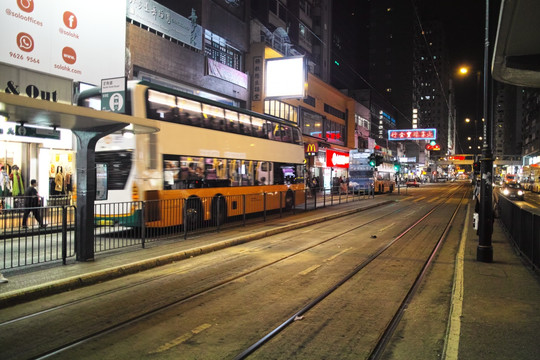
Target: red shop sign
337, 159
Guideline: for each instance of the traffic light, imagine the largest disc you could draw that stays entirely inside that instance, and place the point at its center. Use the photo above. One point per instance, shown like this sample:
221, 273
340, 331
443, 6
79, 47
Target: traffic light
372, 161
378, 160
476, 166
397, 166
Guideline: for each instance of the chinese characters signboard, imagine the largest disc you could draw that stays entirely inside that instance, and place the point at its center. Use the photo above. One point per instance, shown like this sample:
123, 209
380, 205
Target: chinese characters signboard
412, 134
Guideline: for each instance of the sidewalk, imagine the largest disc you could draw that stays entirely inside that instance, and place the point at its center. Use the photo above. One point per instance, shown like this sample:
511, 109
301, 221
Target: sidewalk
501, 303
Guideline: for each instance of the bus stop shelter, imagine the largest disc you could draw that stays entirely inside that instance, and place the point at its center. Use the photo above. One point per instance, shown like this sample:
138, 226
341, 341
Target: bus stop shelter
88, 125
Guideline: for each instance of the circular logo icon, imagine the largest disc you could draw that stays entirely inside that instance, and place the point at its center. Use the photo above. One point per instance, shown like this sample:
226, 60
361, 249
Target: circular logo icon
26, 5
116, 102
70, 20
25, 42
21, 130
69, 55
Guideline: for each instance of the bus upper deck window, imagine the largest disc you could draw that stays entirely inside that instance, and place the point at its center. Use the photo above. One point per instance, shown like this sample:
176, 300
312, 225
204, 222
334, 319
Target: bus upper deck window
245, 124
161, 106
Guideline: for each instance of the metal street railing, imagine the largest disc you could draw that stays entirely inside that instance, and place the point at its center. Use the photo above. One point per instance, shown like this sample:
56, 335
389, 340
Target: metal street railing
126, 224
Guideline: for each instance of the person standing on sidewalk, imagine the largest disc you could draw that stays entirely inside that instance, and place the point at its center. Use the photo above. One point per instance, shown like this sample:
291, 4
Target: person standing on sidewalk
31, 203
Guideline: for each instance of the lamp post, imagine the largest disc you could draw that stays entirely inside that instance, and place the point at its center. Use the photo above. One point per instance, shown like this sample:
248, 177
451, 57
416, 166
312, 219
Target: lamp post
484, 250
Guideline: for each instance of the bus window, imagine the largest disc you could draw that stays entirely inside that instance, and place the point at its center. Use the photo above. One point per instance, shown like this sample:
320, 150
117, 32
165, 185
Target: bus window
234, 172
259, 127
296, 136
286, 134
189, 111
161, 106
264, 173
232, 121
272, 130
214, 116
245, 124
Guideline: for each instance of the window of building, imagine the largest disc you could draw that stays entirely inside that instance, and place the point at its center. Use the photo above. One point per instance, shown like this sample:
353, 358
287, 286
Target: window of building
310, 100
312, 124
304, 32
279, 8
360, 121
334, 132
281, 110
218, 49
305, 7
333, 111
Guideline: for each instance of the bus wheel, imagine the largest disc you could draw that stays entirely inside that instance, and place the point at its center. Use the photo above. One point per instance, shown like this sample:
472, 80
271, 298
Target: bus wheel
194, 213
289, 200
219, 210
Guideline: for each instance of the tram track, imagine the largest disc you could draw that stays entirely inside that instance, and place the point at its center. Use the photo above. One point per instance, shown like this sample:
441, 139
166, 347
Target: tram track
384, 339
215, 286
174, 273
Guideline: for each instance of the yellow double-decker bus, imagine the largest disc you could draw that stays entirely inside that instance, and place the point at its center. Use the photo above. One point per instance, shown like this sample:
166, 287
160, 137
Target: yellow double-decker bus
204, 150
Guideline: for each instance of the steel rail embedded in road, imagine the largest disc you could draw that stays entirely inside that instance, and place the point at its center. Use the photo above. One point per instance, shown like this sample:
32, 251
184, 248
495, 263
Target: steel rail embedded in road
389, 331
147, 314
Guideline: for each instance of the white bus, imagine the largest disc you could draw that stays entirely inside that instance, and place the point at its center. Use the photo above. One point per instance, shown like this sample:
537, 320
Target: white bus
203, 150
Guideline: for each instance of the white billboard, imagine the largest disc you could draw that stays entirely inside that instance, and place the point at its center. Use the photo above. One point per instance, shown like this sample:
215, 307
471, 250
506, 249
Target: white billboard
285, 77
76, 39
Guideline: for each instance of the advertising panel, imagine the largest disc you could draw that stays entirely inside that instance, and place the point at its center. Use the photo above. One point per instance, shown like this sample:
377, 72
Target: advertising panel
337, 159
75, 39
285, 77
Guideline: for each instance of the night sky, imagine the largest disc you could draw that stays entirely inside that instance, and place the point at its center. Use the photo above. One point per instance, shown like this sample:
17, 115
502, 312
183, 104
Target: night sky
464, 22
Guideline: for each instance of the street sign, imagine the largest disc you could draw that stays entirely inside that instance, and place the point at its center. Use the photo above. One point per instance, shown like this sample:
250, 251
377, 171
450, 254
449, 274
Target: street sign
113, 94
37, 132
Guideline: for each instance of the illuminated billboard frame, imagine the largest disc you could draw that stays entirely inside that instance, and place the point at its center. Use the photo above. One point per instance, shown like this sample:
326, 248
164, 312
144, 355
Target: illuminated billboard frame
285, 77
412, 134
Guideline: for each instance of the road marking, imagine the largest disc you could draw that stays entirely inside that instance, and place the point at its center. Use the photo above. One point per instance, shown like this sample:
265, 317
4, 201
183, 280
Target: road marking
386, 227
181, 339
338, 254
310, 269
451, 350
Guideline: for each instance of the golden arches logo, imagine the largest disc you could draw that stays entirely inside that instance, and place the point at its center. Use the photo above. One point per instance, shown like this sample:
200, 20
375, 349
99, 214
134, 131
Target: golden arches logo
311, 149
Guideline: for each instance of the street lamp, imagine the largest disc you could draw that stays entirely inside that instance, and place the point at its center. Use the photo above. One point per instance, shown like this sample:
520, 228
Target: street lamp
484, 250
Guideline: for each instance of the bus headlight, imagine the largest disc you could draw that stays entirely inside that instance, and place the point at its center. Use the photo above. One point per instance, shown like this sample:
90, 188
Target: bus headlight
520, 192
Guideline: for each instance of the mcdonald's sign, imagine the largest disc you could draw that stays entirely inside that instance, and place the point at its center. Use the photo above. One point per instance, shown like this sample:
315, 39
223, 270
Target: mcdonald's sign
311, 149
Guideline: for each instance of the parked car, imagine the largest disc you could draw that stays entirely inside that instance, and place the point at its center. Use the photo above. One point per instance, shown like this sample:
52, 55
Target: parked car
414, 183
512, 191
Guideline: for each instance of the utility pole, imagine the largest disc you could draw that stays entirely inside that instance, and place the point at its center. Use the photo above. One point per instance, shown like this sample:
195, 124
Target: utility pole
484, 251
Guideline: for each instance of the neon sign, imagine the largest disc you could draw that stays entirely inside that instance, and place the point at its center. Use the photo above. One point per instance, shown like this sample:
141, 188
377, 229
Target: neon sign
413, 134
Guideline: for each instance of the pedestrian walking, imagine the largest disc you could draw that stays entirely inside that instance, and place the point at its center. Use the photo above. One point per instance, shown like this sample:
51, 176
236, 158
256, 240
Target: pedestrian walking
31, 203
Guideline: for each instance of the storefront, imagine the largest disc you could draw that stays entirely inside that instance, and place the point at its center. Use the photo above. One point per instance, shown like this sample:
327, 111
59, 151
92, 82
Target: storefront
33, 152
326, 166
